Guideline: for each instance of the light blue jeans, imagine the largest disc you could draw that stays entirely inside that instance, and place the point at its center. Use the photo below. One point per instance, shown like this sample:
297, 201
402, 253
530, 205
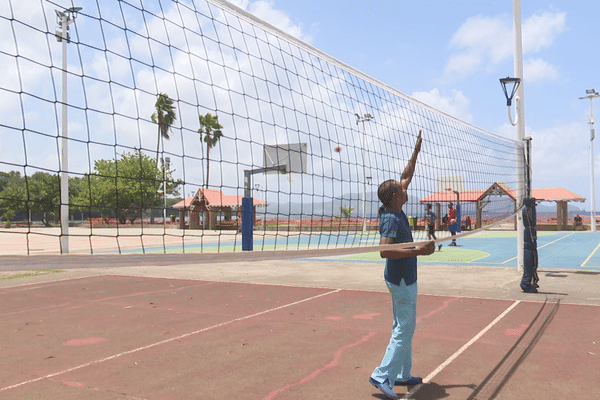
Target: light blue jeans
397, 361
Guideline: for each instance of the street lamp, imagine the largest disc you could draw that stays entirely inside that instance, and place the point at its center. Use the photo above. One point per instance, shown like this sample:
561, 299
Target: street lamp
510, 93
63, 20
591, 93
367, 117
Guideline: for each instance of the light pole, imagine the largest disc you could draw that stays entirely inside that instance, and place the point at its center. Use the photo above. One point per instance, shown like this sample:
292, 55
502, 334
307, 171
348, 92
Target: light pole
166, 166
518, 92
591, 93
367, 117
64, 19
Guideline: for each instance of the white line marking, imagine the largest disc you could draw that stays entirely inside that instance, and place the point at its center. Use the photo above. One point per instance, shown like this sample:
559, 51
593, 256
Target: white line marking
566, 236
165, 341
461, 350
554, 241
590, 256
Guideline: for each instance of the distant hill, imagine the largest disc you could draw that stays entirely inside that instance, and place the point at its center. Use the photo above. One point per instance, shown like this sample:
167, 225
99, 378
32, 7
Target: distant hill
332, 208
412, 208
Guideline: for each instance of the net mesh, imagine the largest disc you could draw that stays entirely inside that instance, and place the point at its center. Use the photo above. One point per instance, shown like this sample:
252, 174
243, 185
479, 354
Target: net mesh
171, 103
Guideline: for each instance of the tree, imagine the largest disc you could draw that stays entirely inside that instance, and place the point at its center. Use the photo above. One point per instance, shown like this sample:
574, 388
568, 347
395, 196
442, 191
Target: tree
346, 211
39, 192
127, 185
165, 117
7, 177
210, 133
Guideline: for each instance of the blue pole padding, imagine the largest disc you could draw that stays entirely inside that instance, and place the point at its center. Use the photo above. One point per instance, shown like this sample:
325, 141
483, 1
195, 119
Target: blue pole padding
247, 224
458, 217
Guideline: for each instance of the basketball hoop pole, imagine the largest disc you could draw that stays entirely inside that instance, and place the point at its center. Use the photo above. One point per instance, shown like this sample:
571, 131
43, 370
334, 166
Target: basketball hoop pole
248, 204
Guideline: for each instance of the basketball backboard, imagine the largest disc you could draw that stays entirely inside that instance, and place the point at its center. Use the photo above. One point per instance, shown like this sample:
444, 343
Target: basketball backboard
293, 156
454, 182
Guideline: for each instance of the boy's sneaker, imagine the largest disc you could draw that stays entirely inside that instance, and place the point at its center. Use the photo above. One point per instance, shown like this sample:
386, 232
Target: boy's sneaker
415, 380
385, 388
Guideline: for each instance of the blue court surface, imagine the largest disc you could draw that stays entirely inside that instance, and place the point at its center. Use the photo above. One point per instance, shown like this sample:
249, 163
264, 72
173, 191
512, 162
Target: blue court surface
556, 250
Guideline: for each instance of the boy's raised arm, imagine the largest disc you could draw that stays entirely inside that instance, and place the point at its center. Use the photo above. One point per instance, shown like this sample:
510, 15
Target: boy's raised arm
409, 170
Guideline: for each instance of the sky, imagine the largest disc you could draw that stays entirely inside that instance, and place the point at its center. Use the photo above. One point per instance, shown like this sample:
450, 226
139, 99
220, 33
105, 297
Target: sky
451, 54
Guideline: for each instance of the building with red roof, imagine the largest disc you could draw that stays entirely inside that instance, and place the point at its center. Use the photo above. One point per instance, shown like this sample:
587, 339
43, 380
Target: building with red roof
560, 196
211, 203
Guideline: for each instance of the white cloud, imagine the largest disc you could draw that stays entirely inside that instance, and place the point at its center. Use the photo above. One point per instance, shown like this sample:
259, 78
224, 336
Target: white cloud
537, 70
484, 42
456, 105
266, 11
564, 141
540, 30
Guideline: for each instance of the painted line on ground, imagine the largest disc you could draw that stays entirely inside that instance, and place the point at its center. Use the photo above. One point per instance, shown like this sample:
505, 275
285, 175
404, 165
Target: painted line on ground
475, 338
166, 341
554, 241
590, 256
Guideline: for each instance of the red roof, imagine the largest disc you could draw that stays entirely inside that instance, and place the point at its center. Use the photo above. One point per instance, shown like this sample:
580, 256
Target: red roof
448, 196
551, 194
215, 199
556, 194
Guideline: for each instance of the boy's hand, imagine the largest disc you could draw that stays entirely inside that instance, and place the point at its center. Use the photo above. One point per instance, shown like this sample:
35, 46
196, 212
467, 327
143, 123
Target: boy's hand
419, 142
427, 249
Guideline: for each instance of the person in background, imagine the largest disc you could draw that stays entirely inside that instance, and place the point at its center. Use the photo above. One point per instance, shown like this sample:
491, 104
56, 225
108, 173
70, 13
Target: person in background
452, 222
578, 222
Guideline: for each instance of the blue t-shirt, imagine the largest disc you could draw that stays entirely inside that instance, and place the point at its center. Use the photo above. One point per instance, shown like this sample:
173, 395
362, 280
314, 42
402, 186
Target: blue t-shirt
395, 225
430, 216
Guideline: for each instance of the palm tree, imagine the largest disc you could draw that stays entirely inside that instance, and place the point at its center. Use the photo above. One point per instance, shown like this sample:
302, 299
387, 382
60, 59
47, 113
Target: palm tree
346, 211
210, 133
164, 117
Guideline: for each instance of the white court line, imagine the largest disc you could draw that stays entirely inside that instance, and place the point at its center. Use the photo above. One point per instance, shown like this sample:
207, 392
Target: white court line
554, 241
461, 350
590, 256
164, 341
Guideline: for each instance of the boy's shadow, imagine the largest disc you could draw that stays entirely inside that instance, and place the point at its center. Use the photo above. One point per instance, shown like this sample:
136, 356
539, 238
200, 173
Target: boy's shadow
430, 391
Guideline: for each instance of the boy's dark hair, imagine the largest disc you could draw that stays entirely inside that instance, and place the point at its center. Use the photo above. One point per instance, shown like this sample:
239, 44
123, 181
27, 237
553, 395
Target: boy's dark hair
386, 191
428, 206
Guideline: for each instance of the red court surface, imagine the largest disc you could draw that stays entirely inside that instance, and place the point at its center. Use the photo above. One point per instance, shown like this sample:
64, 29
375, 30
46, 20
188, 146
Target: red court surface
120, 337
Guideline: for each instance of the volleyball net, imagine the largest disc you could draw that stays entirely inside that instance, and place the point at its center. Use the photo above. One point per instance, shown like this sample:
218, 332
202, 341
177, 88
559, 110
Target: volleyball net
178, 110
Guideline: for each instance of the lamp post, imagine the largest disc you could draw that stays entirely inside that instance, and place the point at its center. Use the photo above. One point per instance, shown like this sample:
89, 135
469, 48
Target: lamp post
591, 93
518, 93
64, 19
367, 117
166, 166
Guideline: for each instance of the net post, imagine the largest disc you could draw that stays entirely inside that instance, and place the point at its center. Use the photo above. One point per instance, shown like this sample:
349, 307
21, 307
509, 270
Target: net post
247, 224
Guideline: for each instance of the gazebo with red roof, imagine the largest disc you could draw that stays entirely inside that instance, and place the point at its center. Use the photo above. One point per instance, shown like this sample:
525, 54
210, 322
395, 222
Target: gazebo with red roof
211, 202
560, 196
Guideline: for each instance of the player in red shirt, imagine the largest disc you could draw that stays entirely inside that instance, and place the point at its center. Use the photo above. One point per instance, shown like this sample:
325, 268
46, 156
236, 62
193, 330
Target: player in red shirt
452, 222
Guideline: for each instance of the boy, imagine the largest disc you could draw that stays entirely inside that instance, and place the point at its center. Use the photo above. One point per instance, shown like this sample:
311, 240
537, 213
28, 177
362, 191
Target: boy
401, 280
430, 218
